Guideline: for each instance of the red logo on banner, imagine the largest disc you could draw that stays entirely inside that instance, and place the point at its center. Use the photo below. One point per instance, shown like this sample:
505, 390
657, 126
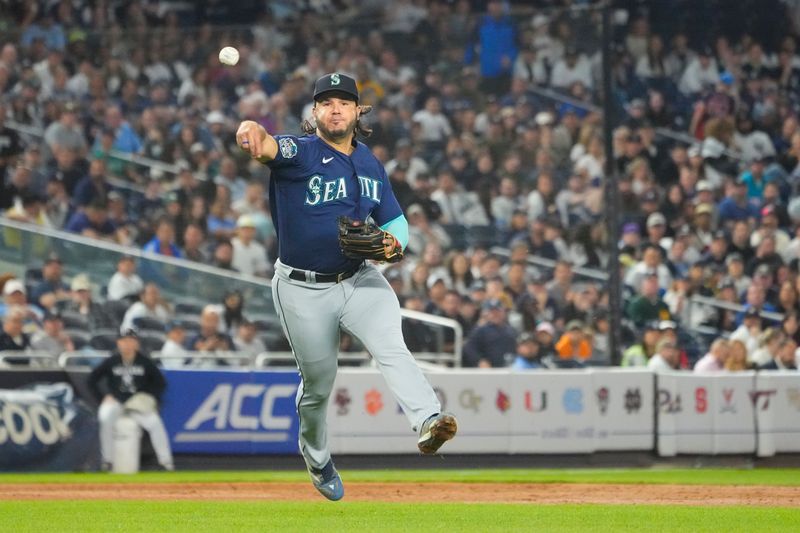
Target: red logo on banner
373, 401
530, 401
503, 402
700, 399
755, 395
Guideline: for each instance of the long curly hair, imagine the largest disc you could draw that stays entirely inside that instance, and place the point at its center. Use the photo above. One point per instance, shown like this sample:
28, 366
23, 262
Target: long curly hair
308, 127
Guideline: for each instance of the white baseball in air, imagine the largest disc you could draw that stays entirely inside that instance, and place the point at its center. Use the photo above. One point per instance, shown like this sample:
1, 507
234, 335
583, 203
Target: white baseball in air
229, 55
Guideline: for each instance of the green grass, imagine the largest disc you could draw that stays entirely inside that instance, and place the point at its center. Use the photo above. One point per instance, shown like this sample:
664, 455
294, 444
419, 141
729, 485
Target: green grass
65, 516
712, 476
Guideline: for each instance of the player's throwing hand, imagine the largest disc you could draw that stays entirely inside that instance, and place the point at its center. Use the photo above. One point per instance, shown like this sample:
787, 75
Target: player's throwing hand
253, 138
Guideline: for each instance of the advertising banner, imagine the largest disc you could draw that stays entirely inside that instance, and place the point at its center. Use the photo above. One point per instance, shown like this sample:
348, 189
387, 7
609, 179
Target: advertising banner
552, 412
44, 428
702, 413
231, 411
623, 409
776, 400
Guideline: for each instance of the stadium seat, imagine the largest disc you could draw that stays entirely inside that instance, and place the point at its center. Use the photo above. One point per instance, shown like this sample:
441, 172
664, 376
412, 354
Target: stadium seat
265, 323
104, 340
275, 341
189, 322
80, 337
150, 342
74, 320
148, 324
185, 307
116, 309
33, 275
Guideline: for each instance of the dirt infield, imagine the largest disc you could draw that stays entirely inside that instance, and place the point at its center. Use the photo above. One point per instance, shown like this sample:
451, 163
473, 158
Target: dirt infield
539, 493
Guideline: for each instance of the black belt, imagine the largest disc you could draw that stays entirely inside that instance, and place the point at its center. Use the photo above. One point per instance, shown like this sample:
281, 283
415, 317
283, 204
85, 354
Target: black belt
300, 275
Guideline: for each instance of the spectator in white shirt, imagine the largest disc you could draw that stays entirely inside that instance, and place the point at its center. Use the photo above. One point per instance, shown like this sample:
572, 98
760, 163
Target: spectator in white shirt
574, 67
174, 352
530, 68
506, 203
247, 341
458, 206
750, 330
125, 282
666, 358
150, 305
249, 256
433, 125
701, 72
404, 157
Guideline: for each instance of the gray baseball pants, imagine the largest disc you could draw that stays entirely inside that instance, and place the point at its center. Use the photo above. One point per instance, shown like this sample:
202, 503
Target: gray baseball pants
365, 306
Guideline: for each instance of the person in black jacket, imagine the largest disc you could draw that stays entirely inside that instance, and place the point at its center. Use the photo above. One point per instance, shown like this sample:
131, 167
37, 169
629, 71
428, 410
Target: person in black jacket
494, 343
128, 383
784, 358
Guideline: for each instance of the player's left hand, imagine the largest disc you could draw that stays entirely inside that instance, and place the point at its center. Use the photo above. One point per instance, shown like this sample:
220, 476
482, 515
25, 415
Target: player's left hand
360, 240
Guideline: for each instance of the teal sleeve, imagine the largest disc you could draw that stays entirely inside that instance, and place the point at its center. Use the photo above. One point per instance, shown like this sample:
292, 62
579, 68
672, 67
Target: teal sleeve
398, 227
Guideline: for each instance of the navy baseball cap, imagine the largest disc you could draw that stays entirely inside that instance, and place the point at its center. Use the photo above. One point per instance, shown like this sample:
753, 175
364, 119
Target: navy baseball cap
336, 82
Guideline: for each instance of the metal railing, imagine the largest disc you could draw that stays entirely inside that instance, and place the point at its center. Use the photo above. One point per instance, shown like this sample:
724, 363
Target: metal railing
32, 358
78, 359
729, 306
34, 131
538, 261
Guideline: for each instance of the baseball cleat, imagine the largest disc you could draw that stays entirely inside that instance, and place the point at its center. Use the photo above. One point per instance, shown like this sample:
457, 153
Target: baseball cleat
327, 481
435, 431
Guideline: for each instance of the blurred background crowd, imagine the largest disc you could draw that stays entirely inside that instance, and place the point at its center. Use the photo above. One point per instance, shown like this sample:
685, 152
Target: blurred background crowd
486, 117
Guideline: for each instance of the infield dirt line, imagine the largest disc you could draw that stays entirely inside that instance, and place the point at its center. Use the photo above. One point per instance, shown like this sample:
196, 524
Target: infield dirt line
535, 493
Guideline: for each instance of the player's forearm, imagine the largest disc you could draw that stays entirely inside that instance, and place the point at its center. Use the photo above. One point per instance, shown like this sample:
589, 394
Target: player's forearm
253, 138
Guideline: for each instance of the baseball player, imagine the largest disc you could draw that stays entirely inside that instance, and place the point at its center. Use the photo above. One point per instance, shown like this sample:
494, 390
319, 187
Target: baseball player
323, 188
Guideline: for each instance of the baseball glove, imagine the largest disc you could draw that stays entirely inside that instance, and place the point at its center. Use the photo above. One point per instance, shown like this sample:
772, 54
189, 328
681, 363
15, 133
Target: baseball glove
364, 240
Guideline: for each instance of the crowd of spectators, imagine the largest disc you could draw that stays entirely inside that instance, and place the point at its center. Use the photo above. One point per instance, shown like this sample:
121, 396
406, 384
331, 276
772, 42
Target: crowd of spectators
477, 156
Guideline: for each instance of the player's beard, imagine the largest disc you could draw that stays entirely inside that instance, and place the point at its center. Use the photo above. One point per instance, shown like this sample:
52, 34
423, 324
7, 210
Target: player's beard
339, 134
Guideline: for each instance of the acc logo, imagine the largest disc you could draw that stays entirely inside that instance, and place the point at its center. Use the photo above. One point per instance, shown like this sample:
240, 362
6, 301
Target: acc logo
373, 401
503, 402
342, 400
335, 79
288, 147
224, 406
573, 401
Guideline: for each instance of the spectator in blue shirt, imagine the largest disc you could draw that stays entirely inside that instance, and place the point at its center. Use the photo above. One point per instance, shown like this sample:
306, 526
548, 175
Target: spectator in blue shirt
754, 179
125, 138
92, 222
93, 186
736, 206
163, 243
496, 41
528, 356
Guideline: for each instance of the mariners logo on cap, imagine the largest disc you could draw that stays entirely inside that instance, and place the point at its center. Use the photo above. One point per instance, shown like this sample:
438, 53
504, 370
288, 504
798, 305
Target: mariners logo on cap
335, 79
